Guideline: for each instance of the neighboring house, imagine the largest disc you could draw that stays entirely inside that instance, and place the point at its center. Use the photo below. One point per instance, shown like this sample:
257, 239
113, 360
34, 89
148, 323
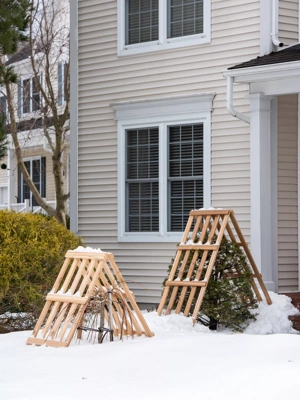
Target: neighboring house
155, 139
37, 155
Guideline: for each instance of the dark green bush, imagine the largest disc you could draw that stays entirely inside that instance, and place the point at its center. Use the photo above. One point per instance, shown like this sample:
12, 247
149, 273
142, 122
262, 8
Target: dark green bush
229, 296
32, 250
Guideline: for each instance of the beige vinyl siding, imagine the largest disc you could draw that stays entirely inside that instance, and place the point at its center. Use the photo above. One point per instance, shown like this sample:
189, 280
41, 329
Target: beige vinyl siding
105, 78
287, 193
288, 21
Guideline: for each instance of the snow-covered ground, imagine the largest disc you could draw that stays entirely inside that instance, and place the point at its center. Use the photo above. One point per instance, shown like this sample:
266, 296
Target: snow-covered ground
179, 362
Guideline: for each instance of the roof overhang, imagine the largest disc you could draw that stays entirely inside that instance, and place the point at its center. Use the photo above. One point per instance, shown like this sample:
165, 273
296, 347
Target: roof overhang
272, 79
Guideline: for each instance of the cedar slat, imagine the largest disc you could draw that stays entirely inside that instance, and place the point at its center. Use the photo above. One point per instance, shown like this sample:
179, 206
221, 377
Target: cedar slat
197, 246
196, 213
67, 299
185, 283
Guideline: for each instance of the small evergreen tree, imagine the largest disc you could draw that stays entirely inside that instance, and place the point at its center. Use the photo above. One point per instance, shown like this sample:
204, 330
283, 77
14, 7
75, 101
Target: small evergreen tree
229, 297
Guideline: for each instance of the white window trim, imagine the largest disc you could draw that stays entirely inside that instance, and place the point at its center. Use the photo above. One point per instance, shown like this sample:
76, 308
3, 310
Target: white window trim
163, 43
161, 113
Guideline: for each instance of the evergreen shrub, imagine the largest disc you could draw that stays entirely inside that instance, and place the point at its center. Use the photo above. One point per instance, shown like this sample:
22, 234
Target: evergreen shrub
229, 297
32, 251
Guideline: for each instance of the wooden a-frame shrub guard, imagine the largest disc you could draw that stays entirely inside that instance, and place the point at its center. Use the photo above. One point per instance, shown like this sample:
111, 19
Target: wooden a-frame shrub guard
83, 274
207, 226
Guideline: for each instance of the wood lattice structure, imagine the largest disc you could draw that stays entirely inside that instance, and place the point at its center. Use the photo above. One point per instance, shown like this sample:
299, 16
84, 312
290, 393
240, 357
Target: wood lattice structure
207, 226
81, 274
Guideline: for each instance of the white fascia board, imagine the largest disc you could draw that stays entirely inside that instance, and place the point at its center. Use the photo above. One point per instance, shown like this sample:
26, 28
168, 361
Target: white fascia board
276, 87
164, 106
264, 72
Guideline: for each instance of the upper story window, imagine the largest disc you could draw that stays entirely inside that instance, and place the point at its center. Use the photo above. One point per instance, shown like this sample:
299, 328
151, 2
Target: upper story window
62, 74
3, 105
29, 97
150, 25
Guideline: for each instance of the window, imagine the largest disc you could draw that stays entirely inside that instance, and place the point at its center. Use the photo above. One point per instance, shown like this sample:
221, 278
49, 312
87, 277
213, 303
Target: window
163, 165
150, 25
3, 105
142, 178
36, 168
185, 173
3, 194
29, 97
62, 73
185, 17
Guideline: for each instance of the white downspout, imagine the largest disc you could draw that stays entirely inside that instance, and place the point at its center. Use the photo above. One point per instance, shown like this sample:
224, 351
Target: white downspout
229, 102
274, 33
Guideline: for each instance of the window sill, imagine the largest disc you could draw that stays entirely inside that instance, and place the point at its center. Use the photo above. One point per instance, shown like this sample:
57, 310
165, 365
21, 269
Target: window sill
169, 44
146, 237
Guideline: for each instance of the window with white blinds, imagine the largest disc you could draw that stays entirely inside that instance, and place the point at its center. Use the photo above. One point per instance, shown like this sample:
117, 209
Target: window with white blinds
185, 176
141, 21
151, 25
185, 17
164, 165
185, 173
142, 185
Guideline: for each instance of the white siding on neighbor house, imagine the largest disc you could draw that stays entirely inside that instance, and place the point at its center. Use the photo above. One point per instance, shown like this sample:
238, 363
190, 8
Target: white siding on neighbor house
105, 78
287, 193
288, 21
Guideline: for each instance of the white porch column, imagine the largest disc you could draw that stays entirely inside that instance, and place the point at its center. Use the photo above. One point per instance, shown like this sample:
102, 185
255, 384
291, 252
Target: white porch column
12, 168
261, 187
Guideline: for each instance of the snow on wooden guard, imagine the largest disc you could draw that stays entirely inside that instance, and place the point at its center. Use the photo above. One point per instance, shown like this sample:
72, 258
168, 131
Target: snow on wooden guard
202, 237
82, 273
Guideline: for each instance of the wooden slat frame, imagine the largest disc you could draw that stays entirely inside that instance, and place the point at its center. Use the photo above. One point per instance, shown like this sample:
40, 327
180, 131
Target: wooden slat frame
216, 222
66, 303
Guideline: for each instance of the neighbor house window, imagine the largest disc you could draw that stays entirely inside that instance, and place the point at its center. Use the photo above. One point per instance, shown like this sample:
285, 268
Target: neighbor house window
62, 76
29, 97
3, 194
163, 166
3, 106
36, 168
150, 25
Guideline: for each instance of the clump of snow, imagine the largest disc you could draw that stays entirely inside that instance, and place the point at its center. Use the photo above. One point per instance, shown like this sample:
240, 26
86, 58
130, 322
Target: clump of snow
206, 209
173, 324
190, 242
87, 249
273, 318
270, 319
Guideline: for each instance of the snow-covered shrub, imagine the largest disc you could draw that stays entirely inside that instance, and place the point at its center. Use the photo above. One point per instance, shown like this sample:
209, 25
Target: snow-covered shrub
229, 296
32, 250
